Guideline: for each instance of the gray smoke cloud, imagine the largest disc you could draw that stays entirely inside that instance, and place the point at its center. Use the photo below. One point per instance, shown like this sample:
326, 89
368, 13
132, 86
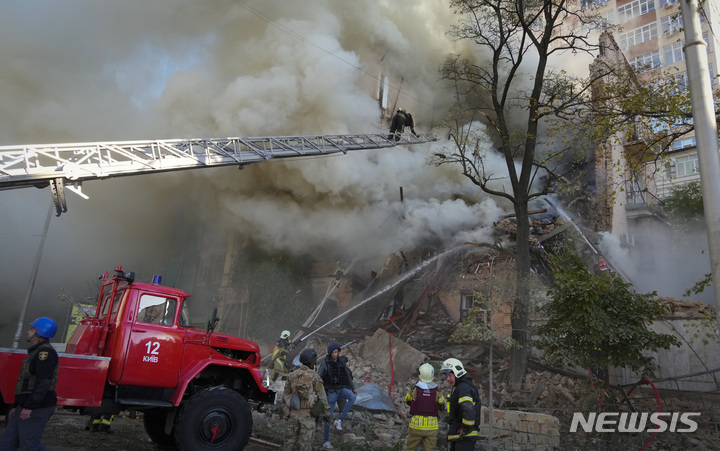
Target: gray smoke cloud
85, 71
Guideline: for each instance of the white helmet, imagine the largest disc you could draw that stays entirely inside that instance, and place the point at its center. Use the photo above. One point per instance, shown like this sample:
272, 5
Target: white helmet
455, 366
285, 334
427, 372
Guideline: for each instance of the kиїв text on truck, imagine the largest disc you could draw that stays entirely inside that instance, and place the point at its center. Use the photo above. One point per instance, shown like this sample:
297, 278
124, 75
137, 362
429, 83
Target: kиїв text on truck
140, 352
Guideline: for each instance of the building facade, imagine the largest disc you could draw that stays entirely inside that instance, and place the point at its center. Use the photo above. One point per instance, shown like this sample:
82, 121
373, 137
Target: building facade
650, 35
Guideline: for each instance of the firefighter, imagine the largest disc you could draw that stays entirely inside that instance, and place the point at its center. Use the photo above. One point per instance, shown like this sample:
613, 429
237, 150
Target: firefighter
397, 124
35, 396
410, 122
305, 399
463, 407
99, 423
425, 401
400, 120
279, 356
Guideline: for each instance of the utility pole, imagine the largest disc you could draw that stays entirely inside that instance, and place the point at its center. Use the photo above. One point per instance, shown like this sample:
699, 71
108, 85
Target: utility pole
33, 276
703, 110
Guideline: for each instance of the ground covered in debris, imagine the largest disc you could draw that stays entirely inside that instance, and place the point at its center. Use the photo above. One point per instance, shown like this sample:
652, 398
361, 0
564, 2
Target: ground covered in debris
66, 432
551, 391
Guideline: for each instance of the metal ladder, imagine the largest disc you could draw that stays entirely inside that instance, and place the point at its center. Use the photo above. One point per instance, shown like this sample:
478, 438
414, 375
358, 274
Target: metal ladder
68, 165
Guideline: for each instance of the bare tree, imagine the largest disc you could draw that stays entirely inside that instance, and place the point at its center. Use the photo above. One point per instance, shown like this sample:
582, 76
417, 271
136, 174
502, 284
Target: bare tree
518, 97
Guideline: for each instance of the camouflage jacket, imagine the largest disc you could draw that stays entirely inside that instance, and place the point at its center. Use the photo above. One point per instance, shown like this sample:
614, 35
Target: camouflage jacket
309, 387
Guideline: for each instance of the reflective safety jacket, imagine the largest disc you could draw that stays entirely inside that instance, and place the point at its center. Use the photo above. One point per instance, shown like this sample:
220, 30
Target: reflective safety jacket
279, 356
424, 400
463, 410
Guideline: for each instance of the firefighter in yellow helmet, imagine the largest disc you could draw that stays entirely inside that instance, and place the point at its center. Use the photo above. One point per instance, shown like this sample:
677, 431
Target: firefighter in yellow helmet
463, 407
425, 401
279, 357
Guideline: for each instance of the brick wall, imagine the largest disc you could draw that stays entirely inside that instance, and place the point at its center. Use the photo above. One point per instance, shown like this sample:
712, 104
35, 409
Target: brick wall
517, 430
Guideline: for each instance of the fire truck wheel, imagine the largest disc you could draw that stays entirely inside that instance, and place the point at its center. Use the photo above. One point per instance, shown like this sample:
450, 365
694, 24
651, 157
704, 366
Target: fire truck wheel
154, 422
216, 418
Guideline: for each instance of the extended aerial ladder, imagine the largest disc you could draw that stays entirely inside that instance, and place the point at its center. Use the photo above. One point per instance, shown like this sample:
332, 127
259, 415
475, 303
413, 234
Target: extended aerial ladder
63, 166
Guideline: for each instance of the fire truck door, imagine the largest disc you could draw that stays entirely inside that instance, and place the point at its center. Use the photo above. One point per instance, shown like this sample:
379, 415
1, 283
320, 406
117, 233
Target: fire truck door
155, 348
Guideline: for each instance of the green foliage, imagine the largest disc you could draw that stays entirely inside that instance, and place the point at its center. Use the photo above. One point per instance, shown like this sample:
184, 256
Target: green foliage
278, 289
589, 311
700, 285
684, 205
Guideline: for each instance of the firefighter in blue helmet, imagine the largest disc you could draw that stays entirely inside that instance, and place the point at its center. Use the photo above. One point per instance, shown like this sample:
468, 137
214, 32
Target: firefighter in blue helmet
463, 407
35, 397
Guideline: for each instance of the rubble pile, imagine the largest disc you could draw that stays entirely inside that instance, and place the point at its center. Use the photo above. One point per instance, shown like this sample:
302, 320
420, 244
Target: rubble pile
387, 428
550, 394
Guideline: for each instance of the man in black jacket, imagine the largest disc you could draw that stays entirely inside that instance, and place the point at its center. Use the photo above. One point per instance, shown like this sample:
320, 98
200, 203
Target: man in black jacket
463, 407
35, 397
338, 381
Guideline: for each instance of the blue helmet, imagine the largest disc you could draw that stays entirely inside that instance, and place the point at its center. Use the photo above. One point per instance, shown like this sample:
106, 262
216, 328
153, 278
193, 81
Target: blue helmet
45, 327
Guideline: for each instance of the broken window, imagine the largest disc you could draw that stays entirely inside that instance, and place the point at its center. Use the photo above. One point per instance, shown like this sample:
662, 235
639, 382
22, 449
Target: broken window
467, 302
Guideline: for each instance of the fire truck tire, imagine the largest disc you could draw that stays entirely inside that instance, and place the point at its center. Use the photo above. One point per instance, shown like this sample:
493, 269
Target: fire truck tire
154, 422
215, 418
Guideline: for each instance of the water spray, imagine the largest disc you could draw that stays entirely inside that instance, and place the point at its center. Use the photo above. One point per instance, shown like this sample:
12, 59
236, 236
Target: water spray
403, 278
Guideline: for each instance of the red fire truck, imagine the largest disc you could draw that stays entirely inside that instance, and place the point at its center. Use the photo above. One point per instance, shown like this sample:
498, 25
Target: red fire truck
140, 352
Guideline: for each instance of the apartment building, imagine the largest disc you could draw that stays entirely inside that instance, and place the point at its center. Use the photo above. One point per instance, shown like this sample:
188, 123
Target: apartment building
651, 37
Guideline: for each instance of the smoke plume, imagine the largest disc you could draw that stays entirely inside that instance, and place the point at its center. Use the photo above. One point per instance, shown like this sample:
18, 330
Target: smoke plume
85, 71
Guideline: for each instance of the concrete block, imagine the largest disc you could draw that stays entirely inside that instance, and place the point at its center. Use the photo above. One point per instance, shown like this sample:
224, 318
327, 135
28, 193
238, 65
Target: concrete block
406, 359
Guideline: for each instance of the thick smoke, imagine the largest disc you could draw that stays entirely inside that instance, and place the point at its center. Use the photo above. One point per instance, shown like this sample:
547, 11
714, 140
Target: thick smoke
87, 71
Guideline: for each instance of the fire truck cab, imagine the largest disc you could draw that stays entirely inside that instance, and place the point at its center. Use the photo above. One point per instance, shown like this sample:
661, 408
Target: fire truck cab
139, 351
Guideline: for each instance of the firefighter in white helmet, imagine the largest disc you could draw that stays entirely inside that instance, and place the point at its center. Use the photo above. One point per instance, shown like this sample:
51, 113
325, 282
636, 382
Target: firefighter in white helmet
463, 407
425, 401
279, 356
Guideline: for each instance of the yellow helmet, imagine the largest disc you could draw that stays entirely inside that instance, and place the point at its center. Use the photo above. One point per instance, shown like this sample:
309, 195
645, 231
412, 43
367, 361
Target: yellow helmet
455, 366
285, 334
427, 372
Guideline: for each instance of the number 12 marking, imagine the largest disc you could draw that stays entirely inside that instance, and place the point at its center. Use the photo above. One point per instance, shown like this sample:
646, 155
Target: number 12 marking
153, 347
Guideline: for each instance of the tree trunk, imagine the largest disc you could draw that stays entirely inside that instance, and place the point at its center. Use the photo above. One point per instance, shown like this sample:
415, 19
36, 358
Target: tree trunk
521, 308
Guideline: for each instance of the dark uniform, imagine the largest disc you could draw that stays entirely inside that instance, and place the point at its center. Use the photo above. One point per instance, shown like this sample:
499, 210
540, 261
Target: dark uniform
35, 391
100, 423
397, 124
464, 415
